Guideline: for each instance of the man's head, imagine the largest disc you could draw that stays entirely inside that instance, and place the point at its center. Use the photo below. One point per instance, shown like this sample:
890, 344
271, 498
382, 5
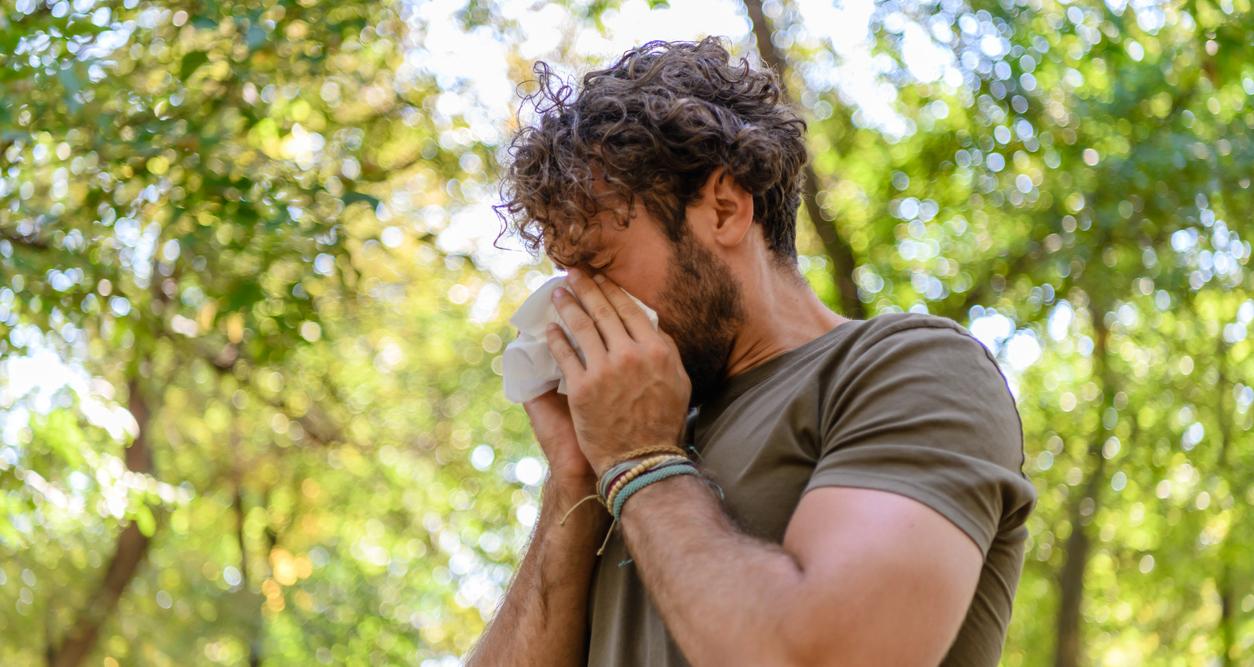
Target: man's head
700, 150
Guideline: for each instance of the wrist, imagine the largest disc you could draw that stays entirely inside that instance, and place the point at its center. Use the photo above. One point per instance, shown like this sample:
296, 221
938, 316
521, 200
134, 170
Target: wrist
567, 489
560, 497
653, 477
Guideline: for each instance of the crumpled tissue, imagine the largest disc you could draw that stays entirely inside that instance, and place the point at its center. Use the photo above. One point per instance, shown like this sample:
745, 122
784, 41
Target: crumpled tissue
529, 369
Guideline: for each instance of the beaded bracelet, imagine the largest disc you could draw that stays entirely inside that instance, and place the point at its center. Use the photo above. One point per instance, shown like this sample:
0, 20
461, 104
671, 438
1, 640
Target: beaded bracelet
637, 470
618, 485
629, 460
603, 484
616, 509
637, 467
615, 475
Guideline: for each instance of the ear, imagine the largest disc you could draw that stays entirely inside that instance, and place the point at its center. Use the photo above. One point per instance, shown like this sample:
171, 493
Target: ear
730, 206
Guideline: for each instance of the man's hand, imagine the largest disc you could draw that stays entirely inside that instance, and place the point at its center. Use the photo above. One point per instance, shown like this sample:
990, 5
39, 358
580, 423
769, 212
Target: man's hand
633, 391
551, 422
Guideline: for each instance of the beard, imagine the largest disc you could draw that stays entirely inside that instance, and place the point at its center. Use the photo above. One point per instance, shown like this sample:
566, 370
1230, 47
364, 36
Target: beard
703, 311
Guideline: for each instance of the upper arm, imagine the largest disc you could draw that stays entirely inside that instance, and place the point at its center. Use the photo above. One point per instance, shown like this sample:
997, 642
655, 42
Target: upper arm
918, 470
886, 580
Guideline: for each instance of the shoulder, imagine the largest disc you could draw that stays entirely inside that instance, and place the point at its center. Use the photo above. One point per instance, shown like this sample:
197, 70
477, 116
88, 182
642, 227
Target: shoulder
916, 326
924, 410
913, 339
918, 368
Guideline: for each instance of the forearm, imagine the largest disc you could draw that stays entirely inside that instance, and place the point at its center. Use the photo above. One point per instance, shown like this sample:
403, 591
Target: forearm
723, 595
543, 619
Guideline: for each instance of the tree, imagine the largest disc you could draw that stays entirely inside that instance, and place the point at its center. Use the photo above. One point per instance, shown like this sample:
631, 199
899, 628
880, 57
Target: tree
250, 407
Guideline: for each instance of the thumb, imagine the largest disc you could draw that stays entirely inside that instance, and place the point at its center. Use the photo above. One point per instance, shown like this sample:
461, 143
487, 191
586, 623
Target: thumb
670, 342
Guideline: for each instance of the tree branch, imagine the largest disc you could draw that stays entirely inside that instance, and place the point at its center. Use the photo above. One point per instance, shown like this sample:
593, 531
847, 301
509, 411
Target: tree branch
837, 248
128, 555
25, 241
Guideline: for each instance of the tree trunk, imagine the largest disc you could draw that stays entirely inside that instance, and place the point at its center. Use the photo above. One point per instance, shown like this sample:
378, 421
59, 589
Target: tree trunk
132, 547
838, 250
1227, 614
1068, 647
257, 630
1227, 549
1067, 651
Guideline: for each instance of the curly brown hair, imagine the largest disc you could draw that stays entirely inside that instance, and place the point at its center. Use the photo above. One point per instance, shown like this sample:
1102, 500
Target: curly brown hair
653, 125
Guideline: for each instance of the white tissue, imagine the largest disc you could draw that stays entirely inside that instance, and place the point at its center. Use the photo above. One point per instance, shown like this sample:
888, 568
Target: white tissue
529, 369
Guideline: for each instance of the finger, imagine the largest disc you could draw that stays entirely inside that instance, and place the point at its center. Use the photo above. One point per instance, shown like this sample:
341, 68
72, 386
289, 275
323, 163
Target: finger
548, 402
581, 326
594, 303
633, 316
565, 355
549, 414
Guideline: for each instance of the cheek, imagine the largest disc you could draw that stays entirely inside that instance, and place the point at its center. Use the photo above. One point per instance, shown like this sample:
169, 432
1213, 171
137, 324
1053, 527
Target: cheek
653, 290
661, 306
642, 270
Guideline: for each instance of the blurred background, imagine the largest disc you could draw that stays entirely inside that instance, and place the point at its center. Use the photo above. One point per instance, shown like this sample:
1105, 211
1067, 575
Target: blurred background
251, 312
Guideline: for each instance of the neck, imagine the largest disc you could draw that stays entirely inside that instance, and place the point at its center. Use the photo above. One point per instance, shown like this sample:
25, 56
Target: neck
781, 313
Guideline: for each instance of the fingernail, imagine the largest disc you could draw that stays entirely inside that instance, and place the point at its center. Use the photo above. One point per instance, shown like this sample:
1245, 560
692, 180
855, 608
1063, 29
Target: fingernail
599, 278
559, 293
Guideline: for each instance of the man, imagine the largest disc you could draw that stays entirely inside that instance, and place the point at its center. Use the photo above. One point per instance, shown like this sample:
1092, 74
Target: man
873, 501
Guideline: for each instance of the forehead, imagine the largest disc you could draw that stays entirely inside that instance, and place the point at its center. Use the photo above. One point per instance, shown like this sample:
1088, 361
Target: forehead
570, 244
594, 239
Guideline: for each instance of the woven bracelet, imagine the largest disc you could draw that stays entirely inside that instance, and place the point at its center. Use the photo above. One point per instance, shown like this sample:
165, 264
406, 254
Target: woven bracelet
654, 449
618, 485
646, 479
639, 469
629, 460
603, 484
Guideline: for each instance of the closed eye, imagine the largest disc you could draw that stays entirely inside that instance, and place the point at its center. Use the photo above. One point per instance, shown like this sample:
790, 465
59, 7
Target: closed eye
603, 267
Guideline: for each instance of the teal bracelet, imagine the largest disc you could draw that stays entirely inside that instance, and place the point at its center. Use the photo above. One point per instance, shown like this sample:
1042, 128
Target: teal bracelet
603, 484
647, 479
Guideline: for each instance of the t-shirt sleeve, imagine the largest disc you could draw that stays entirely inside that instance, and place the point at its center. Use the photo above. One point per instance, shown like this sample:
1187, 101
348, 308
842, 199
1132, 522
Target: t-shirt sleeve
926, 413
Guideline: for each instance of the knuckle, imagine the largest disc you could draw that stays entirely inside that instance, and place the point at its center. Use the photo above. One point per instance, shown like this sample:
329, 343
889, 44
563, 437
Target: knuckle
603, 311
560, 351
630, 356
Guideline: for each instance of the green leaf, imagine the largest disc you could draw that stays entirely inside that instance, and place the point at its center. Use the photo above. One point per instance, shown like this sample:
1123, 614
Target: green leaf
191, 62
244, 295
354, 197
256, 36
144, 519
69, 80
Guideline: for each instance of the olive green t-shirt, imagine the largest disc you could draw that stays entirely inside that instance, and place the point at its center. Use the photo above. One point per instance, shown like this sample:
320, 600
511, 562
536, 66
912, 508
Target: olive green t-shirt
903, 402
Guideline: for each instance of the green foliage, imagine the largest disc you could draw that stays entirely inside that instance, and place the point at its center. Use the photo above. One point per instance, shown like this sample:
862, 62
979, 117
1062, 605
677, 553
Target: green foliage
225, 318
